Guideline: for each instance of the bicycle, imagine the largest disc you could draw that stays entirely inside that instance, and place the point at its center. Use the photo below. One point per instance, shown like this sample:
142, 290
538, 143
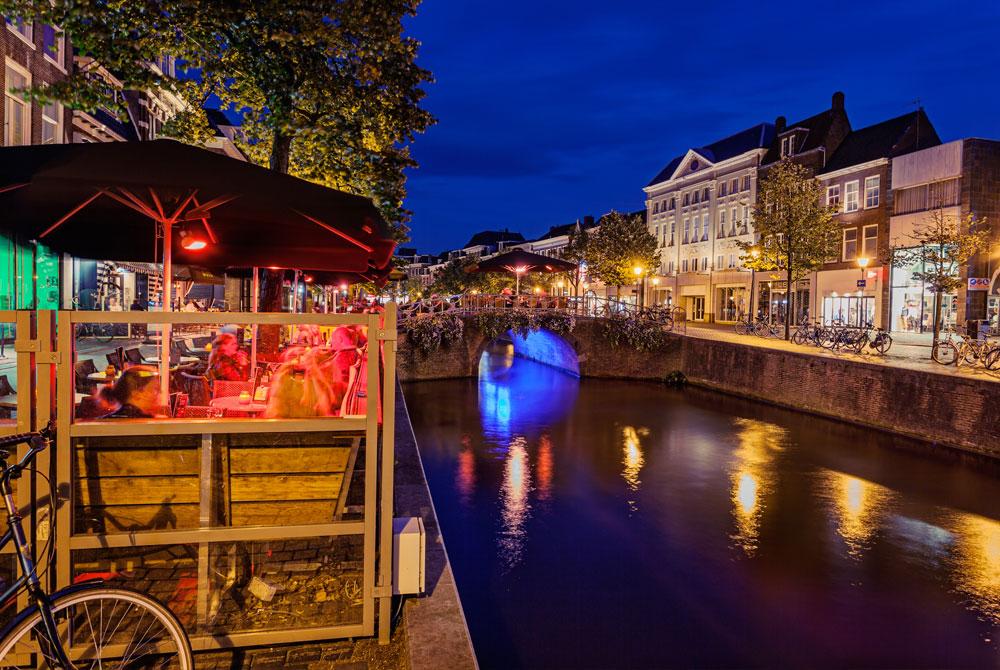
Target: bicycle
85, 626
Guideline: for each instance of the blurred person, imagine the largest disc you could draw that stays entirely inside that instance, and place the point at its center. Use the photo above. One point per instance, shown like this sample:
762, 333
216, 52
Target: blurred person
303, 386
136, 394
226, 361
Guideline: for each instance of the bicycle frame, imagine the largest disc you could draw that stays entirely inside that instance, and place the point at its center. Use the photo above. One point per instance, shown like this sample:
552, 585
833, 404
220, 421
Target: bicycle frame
29, 577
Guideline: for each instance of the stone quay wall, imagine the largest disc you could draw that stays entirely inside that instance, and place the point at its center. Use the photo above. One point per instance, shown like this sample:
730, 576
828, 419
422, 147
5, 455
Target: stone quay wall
948, 410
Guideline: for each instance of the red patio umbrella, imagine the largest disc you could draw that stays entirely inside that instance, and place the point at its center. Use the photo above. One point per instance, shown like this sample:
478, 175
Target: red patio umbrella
519, 262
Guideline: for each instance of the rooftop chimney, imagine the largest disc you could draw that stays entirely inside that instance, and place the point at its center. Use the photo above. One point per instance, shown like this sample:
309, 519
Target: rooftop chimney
838, 100
779, 124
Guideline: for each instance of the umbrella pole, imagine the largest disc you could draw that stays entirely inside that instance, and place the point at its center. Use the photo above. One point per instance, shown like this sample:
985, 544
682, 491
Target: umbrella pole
517, 284
166, 306
254, 306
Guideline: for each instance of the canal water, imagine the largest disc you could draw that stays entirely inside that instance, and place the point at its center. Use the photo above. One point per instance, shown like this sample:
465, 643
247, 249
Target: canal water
607, 524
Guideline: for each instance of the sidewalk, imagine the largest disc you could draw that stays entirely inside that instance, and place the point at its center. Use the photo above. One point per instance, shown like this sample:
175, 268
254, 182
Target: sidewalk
909, 351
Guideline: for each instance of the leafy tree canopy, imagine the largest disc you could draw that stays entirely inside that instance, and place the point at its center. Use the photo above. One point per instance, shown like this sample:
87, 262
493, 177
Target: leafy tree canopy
620, 244
328, 90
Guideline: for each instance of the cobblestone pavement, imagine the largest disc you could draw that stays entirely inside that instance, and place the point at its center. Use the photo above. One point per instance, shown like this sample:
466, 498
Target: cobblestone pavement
908, 351
362, 654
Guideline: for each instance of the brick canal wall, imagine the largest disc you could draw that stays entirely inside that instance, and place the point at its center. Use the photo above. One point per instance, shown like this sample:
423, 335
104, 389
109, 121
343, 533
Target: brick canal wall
954, 411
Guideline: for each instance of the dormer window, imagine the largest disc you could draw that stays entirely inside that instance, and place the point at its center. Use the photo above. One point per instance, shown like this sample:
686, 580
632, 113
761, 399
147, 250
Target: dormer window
787, 146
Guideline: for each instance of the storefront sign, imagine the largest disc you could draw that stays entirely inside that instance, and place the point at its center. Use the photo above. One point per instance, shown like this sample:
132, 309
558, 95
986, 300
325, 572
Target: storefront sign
979, 284
862, 283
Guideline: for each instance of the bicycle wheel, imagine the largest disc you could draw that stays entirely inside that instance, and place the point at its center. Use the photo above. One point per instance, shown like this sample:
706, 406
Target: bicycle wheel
798, 337
105, 332
945, 353
882, 343
110, 628
992, 358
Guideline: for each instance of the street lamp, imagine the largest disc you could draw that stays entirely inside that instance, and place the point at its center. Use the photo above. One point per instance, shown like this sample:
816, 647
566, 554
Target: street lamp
656, 282
638, 286
518, 271
755, 254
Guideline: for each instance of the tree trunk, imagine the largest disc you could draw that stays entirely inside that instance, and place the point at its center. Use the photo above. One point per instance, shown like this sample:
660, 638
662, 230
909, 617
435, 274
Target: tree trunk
281, 150
937, 317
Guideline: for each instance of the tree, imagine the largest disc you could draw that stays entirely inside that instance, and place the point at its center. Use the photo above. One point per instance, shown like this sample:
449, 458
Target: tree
940, 247
575, 251
621, 244
327, 90
797, 232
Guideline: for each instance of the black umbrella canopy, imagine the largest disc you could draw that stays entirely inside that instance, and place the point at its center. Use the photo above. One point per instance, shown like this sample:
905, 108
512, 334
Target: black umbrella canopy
520, 261
101, 201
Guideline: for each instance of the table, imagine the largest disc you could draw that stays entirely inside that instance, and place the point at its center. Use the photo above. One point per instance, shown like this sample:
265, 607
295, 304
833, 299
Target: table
232, 403
78, 397
102, 378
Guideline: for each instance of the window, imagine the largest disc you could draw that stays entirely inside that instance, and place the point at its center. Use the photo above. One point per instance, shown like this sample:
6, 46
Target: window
722, 189
722, 223
833, 196
744, 219
732, 260
732, 221
704, 264
684, 265
673, 203
53, 44
787, 146
17, 111
705, 224
695, 199
926, 196
870, 248
850, 247
687, 231
656, 208
52, 114
719, 262
704, 195
671, 267
734, 185
23, 28
851, 197
687, 199
673, 226
746, 182
871, 191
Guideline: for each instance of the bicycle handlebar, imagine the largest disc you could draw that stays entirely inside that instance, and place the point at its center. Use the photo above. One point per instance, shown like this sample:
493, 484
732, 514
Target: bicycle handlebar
14, 440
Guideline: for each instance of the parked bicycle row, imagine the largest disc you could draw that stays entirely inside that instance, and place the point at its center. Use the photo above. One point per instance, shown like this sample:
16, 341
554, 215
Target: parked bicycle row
957, 350
835, 337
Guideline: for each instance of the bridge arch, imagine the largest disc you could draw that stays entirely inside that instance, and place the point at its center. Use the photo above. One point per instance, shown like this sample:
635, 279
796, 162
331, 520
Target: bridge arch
546, 347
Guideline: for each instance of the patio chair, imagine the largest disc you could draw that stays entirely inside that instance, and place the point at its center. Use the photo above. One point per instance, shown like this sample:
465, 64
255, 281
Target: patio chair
81, 370
196, 386
200, 412
134, 356
114, 360
90, 408
200, 342
225, 389
5, 387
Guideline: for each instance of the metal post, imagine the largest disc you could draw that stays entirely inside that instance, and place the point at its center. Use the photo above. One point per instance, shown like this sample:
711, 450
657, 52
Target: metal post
753, 275
255, 299
166, 306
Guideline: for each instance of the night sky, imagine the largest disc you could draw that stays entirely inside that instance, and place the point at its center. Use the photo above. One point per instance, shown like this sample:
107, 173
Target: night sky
549, 110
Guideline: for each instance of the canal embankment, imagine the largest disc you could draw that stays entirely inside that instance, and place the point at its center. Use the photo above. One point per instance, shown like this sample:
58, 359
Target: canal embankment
436, 631
947, 411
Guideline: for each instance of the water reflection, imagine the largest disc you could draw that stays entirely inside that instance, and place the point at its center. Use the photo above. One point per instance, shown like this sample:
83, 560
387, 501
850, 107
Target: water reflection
752, 477
465, 478
860, 507
632, 462
514, 502
976, 557
545, 468
528, 397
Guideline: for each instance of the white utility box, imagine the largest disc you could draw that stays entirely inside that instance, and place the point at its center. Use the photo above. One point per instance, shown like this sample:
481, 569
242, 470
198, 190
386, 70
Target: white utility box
409, 547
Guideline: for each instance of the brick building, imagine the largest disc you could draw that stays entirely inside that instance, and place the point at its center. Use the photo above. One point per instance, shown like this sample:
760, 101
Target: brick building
955, 179
857, 181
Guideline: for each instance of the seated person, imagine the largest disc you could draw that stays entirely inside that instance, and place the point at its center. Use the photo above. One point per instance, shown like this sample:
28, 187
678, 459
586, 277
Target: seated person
303, 386
136, 394
226, 361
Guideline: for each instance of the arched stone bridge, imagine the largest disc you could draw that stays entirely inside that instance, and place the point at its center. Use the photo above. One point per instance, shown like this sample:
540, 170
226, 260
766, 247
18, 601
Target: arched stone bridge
584, 352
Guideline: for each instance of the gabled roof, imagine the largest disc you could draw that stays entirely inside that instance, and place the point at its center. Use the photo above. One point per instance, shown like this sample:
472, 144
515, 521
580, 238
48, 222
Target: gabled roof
816, 128
887, 139
492, 237
755, 137
566, 229
217, 119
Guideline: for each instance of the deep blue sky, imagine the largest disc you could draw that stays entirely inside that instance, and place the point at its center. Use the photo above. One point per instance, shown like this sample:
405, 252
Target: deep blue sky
548, 109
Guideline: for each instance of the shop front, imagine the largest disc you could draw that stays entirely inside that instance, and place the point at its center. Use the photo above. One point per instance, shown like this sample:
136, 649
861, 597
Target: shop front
850, 297
772, 300
732, 303
912, 302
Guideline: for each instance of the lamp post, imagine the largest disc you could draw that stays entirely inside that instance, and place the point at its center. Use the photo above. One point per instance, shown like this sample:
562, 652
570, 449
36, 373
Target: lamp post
656, 282
638, 286
518, 271
755, 253
862, 263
